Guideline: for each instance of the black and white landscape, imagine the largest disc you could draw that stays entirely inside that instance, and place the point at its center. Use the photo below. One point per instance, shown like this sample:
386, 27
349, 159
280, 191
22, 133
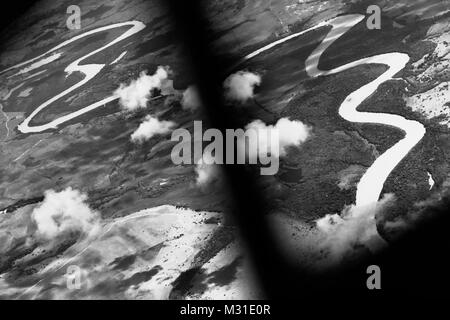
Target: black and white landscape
92, 205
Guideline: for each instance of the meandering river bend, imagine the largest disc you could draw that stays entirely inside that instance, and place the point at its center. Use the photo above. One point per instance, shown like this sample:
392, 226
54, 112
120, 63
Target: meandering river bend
371, 184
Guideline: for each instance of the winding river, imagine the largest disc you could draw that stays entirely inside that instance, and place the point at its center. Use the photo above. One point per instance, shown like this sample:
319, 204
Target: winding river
89, 71
371, 184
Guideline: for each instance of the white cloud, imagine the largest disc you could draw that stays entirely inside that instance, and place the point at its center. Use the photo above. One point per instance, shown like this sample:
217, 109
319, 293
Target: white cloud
64, 211
136, 94
191, 99
206, 173
290, 133
355, 226
239, 86
151, 127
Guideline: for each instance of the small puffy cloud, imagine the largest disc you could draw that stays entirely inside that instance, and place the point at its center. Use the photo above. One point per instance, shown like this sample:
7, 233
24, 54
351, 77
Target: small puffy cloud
239, 87
62, 212
136, 94
290, 133
207, 171
191, 99
353, 228
151, 127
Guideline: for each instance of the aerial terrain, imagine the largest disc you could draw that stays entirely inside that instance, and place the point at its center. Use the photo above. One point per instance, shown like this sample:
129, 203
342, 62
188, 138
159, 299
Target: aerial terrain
83, 189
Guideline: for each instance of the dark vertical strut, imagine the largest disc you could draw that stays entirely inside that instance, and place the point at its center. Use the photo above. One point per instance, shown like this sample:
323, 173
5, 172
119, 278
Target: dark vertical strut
249, 211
